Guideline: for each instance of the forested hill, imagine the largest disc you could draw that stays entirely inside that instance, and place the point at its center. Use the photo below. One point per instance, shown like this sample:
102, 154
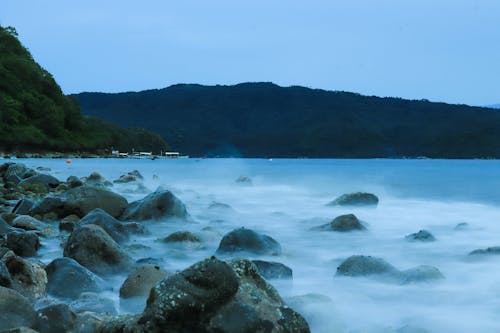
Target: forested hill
36, 116
266, 120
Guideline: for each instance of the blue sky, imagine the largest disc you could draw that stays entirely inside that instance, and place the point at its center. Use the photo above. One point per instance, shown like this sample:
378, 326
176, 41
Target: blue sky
442, 50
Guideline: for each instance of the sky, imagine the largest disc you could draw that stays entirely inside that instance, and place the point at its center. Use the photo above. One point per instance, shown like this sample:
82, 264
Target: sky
441, 50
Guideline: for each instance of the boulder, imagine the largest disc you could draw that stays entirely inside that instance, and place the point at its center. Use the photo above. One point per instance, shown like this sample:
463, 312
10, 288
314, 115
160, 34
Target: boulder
45, 181
423, 273
68, 223
92, 302
355, 199
15, 310
420, 236
74, 181
5, 278
23, 206
68, 279
4, 227
16, 169
140, 281
219, 206
494, 250
273, 270
29, 223
28, 278
343, 223
55, 318
157, 205
246, 240
131, 177
359, 265
93, 248
23, 243
244, 180
96, 179
182, 236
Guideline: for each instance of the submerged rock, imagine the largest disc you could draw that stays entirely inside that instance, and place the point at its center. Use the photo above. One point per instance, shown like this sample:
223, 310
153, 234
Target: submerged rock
140, 281
93, 248
494, 250
182, 236
246, 240
273, 270
244, 180
343, 223
131, 177
157, 205
421, 236
68, 279
423, 273
15, 310
359, 265
92, 302
355, 199
96, 179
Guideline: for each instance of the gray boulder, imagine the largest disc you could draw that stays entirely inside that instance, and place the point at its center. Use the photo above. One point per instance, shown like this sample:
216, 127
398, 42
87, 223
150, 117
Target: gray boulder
55, 318
4, 227
29, 223
23, 206
93, 248
43, 180
420, 236
343, 223
182, 236
359, 265
15, 310
140, 281
131, 177
355, 199
96, 179
16, 169
92, 302
5, 278
157, 205
273, 270
68, 279
23, 243
74, 181
423, 273
246, 240
28, 278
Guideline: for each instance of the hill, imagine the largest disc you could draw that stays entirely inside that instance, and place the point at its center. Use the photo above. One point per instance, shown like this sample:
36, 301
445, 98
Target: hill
36, 116
266, 120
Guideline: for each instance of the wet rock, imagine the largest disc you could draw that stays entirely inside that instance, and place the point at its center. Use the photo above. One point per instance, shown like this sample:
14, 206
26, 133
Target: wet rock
117, 230
16, 169
157, 205
55, 318
219, 206
40, 180
80, 201
23, 206
359, 265
355, 199
13, 180
421, 236
182, 236
23, 243
343, 223
73, 182
28, 278
131, 177
5, 278
140, 281
421, 273
93, 248
93, 302
68, 279
4, 227
44, 169
96, 179
29, 223
244, 180
15, 310
494, 250
21, 329
273, 270
68, 223
246, 240
462, 226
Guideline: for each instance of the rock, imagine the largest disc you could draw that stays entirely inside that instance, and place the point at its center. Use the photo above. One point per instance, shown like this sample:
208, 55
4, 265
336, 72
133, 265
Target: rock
117, 230
80, 201
131, 177
93, 303
16, 169
13, 179
5, 278
494, 250
246, 240
421, 273
40, 180
355, 199
244, 180
55, 318
4, 227
68, 279
183, 300
273, 270
157, 205
73, 182
93, 248
23, 243
21, 329
28, 278
68, 223
359, 265
462, 226
42, 168
29, 223
219, 206
140, 281
23, 206
182, 236
95, 179
421, 236
15, 310
343, 223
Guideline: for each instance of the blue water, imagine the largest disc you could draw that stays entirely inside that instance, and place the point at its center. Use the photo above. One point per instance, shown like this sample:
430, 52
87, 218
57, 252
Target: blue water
288, 197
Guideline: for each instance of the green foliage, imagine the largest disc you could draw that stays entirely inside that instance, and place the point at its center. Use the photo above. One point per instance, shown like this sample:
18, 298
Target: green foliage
263, 119
36, 115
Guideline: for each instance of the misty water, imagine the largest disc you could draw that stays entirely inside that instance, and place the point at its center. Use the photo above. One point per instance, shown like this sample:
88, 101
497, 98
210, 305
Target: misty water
288, 197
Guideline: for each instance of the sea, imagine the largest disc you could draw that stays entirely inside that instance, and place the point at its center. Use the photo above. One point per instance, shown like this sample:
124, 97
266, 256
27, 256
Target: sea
458, 201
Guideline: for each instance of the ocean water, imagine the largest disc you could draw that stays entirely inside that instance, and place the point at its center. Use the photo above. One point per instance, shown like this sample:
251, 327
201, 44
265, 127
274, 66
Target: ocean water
288, 197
